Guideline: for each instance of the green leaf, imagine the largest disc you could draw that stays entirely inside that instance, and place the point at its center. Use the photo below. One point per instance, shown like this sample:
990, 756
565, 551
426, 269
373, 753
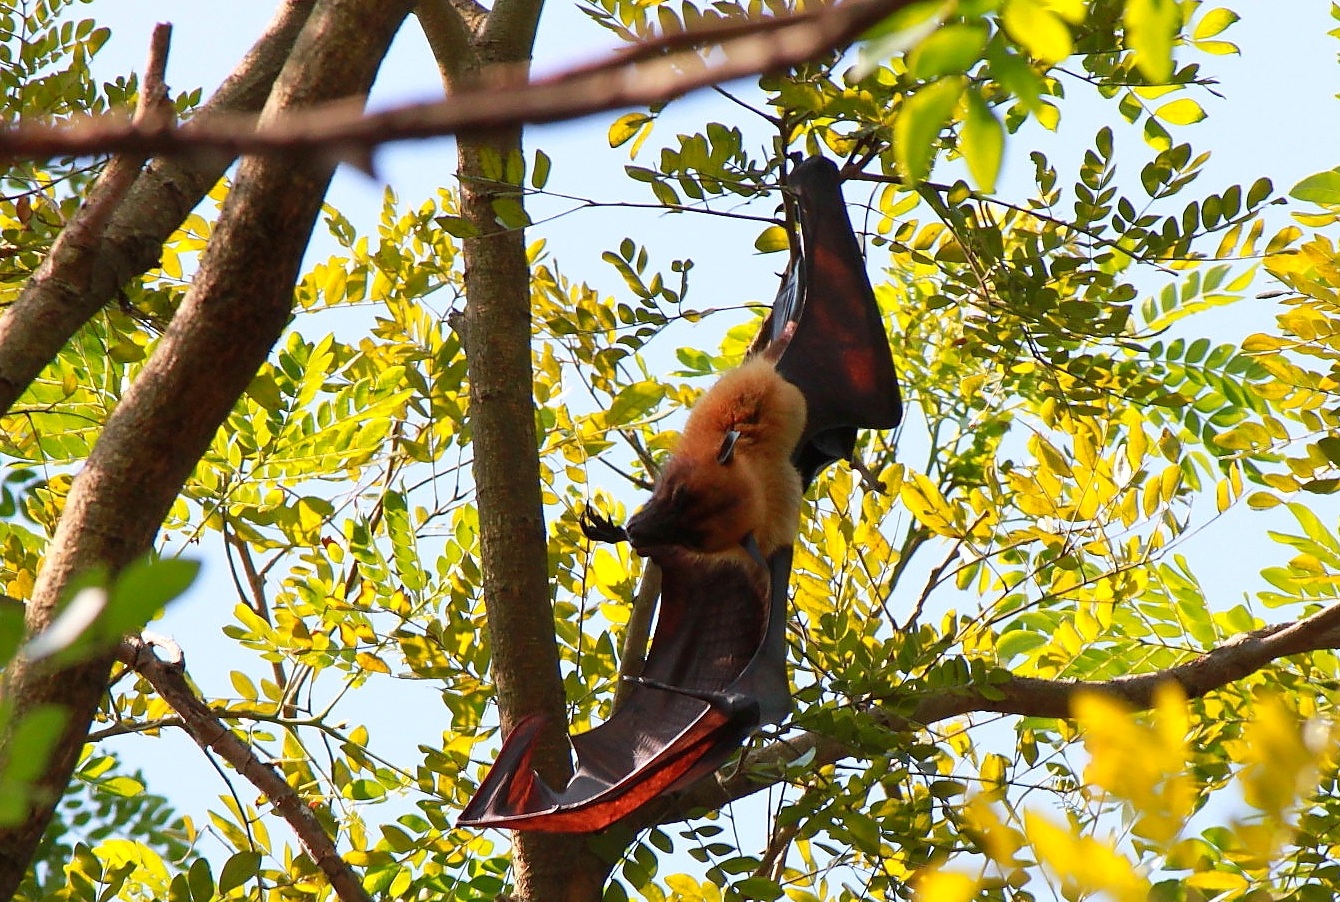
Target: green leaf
142, 589
32, 741
237, 870
539, 176
919, 122
983, 142
771, 240
201, 881
509, 212
11, 627
1320, 188
457, 226
952, 50
633, 402
1151, 28
759, 888
1018, 642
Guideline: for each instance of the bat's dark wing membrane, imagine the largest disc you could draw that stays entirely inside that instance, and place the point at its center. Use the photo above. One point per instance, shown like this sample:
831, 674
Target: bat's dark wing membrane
715, 671
839, 356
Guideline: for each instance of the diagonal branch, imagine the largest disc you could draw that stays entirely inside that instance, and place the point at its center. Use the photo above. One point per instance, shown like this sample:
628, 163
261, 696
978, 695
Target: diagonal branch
654, 71
49, 310
1237, 658
236, 308
168, 677
76, 250
638, 630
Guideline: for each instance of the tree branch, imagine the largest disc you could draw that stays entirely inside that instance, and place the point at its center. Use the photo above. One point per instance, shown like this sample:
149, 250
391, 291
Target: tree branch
50, 309
638, 630
654, 71
76, 249
450, 28
168, 677
1239, 657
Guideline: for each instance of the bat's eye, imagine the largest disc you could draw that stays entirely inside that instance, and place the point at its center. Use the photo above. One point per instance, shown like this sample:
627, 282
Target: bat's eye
728, 447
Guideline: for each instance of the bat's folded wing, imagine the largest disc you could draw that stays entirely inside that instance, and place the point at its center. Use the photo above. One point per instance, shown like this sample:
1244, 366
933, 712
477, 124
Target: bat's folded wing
839, 355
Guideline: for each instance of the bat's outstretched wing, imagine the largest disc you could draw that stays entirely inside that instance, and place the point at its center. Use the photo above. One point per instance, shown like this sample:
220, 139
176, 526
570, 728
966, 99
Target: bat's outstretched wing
839, 356
715, 671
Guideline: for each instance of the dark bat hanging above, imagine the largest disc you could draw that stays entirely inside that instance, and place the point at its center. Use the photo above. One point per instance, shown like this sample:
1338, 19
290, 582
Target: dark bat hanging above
721, 524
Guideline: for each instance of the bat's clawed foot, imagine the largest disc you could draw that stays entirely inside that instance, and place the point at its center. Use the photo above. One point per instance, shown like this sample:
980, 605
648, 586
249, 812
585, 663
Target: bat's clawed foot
599, 528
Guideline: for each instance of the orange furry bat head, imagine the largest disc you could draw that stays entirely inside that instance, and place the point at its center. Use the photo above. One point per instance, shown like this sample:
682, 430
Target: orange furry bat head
731, 474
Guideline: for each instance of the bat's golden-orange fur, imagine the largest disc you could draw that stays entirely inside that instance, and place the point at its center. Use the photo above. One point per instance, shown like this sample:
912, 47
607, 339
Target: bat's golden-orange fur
716, 491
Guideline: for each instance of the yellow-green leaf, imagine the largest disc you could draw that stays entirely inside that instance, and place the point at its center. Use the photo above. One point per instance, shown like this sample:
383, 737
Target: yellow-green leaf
371, 662
625, 128
1181, 112
1151, 27
983, 142
1213, 23
922, 497
1038, 29
951, 50
919, 122
634, 401
771, 240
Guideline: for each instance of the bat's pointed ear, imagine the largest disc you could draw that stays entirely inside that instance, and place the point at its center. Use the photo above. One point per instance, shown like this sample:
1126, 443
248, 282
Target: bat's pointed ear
727, 451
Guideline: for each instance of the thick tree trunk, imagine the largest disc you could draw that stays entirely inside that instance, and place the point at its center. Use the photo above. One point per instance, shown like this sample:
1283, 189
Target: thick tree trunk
73, 285
234, 312
513, 543
467, 40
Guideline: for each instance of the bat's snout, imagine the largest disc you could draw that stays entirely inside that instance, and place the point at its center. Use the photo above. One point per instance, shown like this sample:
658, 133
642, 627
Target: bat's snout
653, 526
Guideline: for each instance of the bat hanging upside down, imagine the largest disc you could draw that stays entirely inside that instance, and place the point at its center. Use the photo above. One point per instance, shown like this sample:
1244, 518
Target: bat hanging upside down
721, 524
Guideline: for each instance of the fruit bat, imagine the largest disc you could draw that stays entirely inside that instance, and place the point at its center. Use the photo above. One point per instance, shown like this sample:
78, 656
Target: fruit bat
721, 523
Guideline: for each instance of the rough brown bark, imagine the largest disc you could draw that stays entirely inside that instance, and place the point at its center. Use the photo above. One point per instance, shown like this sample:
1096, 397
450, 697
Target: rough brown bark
74, 285
513, 546
236, 309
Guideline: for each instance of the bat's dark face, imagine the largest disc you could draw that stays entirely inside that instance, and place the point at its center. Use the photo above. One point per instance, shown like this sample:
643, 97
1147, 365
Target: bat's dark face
703, 505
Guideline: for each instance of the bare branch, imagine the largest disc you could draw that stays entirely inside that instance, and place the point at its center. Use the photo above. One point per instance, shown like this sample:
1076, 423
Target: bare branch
639, 629
168, 678
654, 71
1239, 657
